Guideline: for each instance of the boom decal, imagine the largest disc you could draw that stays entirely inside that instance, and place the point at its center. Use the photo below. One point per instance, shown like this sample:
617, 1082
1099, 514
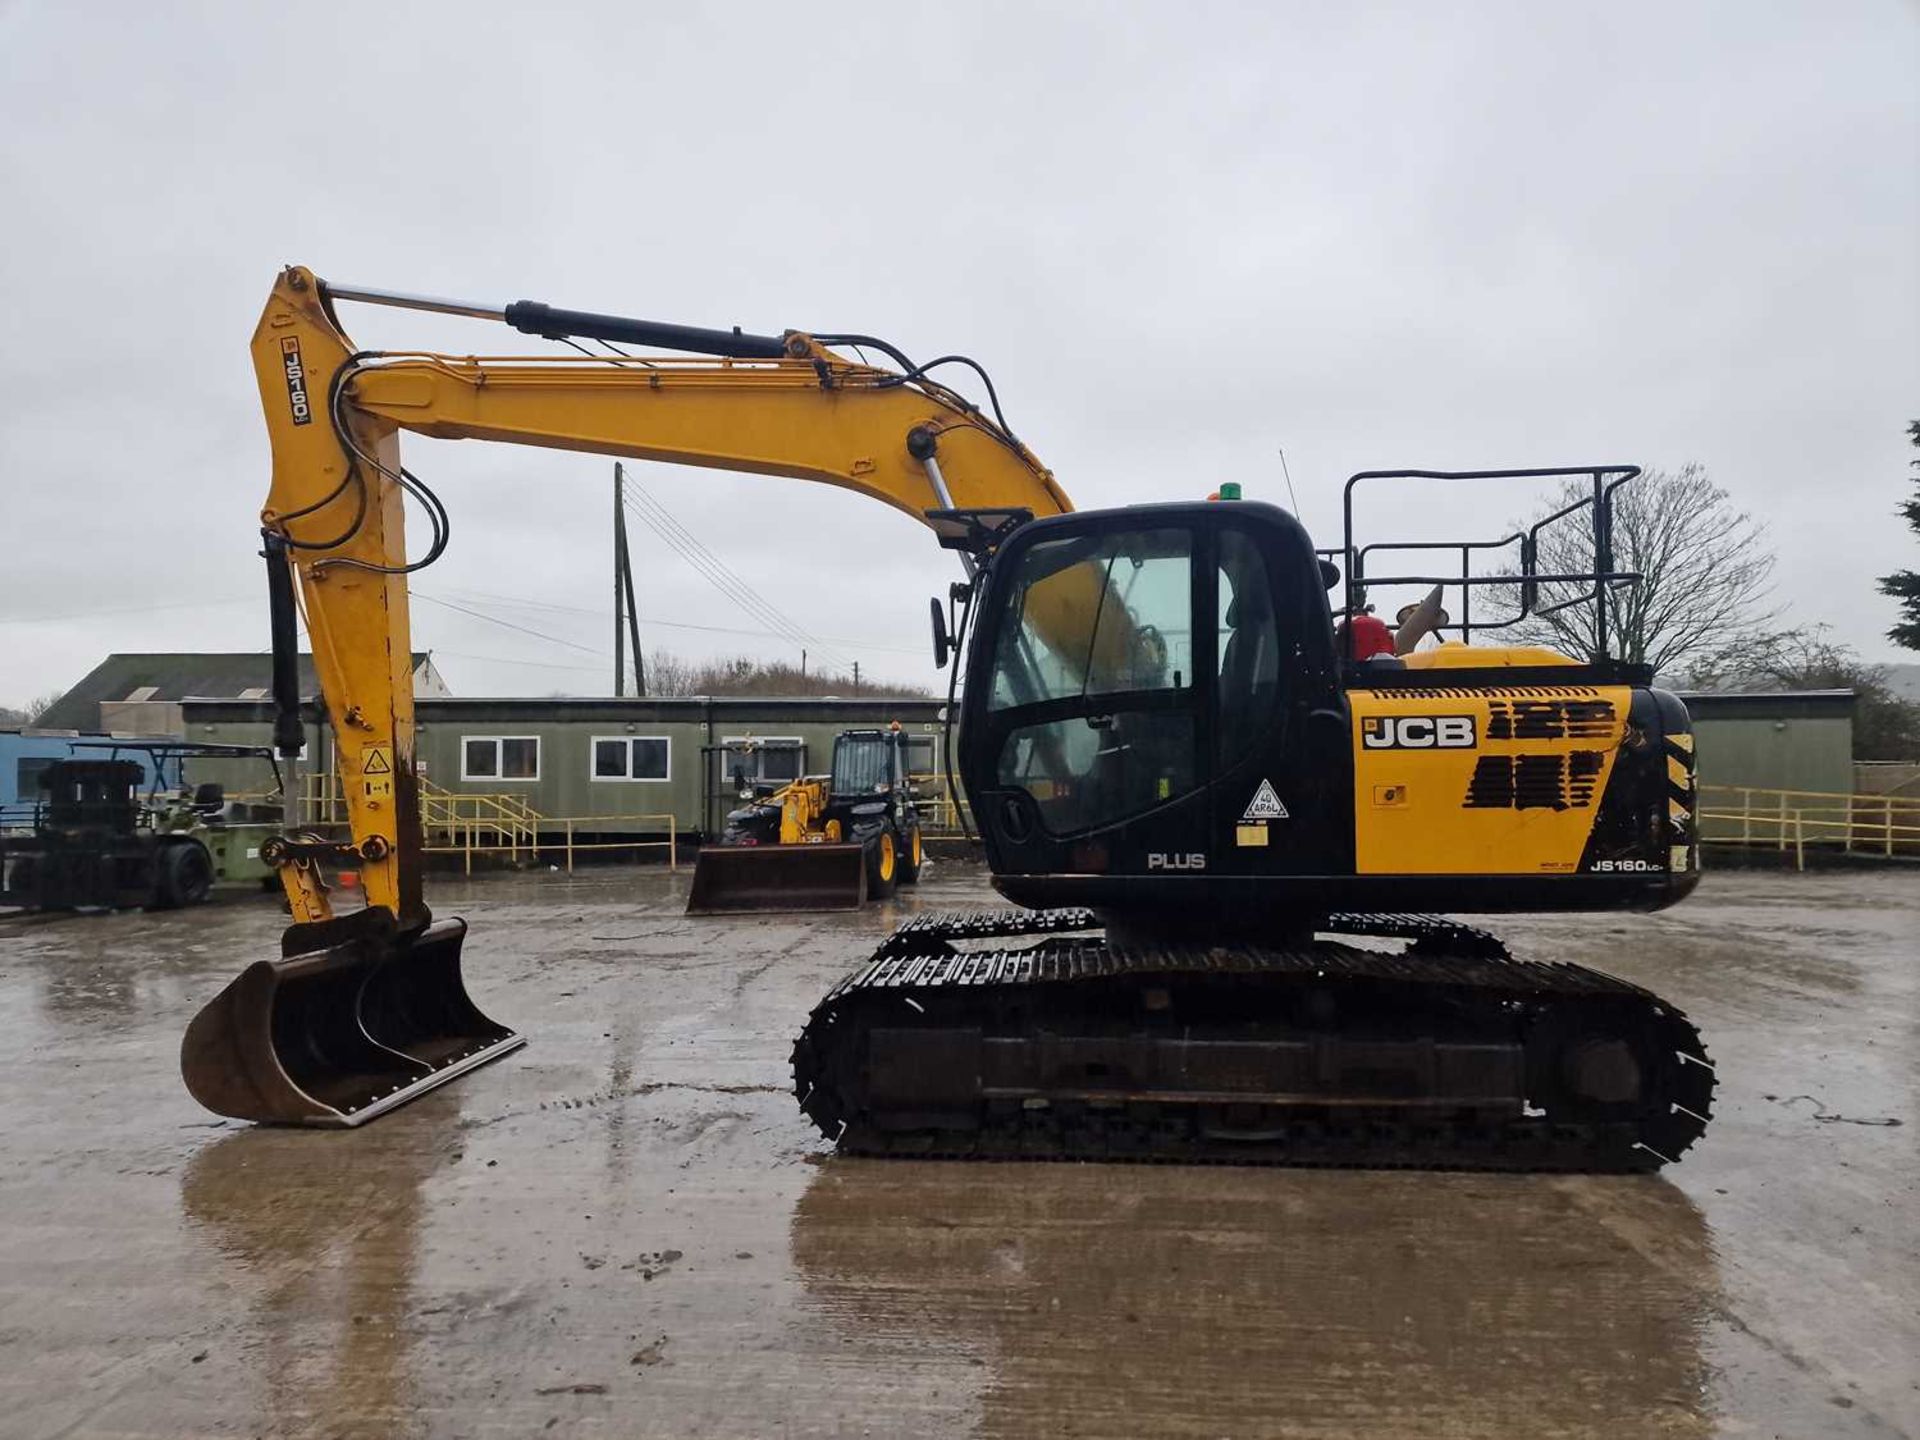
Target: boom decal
296, 376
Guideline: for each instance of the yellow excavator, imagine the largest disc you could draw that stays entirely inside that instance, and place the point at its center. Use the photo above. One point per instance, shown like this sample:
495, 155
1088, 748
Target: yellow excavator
1223, 821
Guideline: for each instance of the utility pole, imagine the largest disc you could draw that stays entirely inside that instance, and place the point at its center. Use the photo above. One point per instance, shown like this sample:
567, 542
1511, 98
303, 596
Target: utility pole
856, 677
626, 613
619, 565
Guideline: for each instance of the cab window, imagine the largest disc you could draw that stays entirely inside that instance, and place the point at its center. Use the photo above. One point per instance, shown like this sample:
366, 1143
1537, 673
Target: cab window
1249, 649
1099, 631
1097, 614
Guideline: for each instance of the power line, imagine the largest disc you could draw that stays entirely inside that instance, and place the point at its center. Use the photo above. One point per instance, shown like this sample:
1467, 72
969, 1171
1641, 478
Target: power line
535, 664
716, 571
508, 624
123, 610
588, 649
522, 602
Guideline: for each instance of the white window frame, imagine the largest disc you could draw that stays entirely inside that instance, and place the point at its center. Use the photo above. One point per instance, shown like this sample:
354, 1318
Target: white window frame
499, 759
932, 742
593, 749
785, 742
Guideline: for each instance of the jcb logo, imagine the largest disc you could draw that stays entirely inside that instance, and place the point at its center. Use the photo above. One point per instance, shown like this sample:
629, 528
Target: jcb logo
1417, 732
1157, 861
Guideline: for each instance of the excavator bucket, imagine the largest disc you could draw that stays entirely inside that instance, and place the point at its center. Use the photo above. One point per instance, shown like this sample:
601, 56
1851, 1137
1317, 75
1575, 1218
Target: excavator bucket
358, 1018
735, 879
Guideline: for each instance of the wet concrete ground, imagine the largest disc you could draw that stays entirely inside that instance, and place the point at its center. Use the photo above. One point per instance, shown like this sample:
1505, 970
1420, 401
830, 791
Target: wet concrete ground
628, 1229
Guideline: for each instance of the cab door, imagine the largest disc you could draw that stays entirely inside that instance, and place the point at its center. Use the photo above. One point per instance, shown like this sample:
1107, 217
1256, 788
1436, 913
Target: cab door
1088, 699
1279, 758
1149, 695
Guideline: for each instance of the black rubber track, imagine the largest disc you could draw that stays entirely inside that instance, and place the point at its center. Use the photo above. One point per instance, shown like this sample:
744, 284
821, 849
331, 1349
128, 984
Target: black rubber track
919, 975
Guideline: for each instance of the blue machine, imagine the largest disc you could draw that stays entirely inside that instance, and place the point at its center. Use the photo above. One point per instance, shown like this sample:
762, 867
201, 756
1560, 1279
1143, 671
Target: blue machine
24, 754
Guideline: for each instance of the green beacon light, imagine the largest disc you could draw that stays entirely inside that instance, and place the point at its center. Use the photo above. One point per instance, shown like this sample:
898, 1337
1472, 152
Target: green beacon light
1230, 490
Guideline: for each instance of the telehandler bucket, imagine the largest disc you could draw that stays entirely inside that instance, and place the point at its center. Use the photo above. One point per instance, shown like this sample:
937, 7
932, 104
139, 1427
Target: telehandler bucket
358, 1019
735, 879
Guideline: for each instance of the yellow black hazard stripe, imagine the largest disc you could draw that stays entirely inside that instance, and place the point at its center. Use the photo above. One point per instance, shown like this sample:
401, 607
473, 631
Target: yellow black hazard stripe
1682, 799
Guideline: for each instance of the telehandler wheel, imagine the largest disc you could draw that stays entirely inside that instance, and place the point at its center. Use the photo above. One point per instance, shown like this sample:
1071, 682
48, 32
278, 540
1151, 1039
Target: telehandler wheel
185, 875
883, 864
911, 856
25, 881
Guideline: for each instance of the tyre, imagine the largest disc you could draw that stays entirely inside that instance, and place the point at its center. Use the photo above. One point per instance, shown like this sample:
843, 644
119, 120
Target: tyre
911, 855
883, 864
185, 876
23, 879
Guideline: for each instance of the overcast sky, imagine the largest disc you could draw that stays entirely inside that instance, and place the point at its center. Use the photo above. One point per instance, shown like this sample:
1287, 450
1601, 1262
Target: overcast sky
1181, 237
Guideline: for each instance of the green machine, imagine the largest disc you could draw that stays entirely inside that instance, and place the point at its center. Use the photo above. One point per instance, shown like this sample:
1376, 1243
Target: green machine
93, 841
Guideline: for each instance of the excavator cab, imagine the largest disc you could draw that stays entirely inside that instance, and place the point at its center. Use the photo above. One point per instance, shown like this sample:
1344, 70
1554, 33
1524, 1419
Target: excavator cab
1138, 677
1158, 724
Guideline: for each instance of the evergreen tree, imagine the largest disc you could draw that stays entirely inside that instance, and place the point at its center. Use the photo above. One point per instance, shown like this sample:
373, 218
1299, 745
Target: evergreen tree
1904, 585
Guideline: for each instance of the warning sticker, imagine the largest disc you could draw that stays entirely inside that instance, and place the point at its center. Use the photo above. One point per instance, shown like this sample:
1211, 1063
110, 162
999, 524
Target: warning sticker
1249, 835
1265, 805
376, 773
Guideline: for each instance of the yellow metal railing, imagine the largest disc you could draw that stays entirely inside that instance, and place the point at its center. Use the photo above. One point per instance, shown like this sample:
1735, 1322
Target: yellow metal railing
470, 823
448, 818
451, 818
556, 833
932, 797
1794, 819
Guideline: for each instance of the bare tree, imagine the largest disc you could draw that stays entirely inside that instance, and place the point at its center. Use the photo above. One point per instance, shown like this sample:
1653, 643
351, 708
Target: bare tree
31, 712
669, 674
1703, 563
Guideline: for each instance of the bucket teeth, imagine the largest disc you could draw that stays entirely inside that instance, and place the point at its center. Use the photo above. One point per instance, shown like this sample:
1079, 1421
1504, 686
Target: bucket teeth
339, 1034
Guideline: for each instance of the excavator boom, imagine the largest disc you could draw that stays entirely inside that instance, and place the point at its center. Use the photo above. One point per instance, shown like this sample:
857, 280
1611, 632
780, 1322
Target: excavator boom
366, 1010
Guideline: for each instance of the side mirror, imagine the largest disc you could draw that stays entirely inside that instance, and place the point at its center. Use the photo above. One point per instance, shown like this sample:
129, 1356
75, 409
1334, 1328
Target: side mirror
942, 642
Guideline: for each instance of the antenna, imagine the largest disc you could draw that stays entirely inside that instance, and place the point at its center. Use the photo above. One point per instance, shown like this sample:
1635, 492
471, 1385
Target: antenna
1289, 474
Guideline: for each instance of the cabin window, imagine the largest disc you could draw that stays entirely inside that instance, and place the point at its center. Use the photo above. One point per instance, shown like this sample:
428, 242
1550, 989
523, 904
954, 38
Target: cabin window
500, 757
763, 757
632, 757
920, 756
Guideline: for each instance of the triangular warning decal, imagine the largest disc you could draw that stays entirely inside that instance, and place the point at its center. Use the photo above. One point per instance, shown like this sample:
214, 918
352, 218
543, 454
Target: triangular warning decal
375, 762
1265, 805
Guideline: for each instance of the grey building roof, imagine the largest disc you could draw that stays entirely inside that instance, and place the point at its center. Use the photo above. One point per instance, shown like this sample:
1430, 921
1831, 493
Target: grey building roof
172, 675
1769, 704
748, 710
